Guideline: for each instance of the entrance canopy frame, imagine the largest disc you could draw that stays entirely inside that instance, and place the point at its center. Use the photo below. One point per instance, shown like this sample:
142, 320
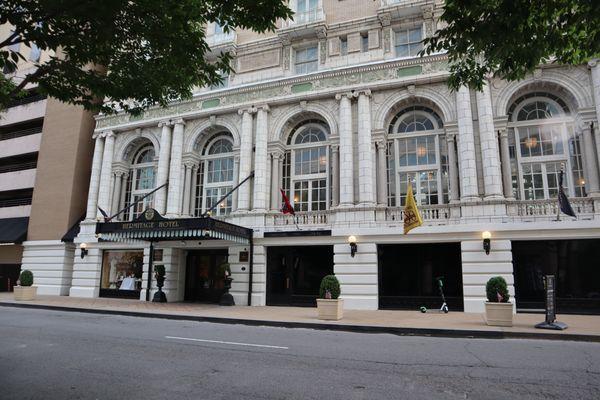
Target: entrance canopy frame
152, 227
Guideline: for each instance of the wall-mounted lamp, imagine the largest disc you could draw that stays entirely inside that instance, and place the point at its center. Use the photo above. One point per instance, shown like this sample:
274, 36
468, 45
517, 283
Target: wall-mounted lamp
353, 247
84, 250
486, 236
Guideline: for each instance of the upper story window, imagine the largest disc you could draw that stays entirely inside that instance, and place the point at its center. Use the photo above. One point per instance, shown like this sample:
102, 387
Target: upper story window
142, 180
417, 155
224, 81
344, 46
215, 176
409, 42
306, 167
364, 42
34, 53
306, 11
306, 60
542, 140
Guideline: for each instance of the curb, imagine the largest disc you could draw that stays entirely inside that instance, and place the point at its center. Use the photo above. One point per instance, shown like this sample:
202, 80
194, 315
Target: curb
399, 331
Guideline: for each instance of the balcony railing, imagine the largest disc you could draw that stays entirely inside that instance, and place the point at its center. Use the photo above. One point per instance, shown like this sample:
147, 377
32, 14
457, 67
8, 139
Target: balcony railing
220, 38
387, 3
300, 218
305, 17
549, 208
436, 214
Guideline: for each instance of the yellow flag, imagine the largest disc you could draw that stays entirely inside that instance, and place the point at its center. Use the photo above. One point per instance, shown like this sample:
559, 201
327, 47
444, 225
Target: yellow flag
412, 218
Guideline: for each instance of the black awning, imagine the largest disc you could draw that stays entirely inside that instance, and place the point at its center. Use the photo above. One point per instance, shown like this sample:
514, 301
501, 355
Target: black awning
73, 231
151, 226
13, 230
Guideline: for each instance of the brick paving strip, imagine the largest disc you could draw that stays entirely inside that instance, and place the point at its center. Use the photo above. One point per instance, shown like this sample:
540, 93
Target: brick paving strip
453, 324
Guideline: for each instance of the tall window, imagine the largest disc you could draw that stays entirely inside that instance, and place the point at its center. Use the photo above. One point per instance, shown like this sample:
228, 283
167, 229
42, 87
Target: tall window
408, 42
142, 179
306, 168
308, 11
307, 60
215, 176
542, 141
417, 154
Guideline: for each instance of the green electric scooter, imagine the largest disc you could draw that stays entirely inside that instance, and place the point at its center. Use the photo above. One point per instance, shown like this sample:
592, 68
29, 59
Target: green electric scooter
444, 307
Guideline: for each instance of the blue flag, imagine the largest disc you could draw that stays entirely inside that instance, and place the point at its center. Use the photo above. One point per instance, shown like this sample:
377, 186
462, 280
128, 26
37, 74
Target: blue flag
563, 201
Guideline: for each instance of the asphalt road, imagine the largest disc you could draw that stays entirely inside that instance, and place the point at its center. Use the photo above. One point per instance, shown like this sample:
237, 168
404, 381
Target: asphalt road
63, 355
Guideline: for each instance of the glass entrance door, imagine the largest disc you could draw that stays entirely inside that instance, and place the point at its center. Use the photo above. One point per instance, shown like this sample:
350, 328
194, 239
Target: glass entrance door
202, 282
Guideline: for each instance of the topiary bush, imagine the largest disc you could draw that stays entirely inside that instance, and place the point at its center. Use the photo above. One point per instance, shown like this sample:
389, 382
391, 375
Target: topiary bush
329, 283
159, 270
26, 278
497, 286
224, 270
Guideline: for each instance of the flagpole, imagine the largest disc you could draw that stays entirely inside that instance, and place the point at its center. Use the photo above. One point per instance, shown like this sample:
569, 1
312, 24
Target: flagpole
560, 180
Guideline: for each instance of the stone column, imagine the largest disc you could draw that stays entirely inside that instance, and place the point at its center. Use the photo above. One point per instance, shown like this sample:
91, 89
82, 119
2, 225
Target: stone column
123, 199
106, 174
466, 146
276, 157
452, 167
381, 173
492, 175
162, 173
245, 167
346, 151
591, 167
193, 186
506, 170
365, 153
335, 170
261, 179
174, 191
187, 188
92, 202
594, 66
118, 185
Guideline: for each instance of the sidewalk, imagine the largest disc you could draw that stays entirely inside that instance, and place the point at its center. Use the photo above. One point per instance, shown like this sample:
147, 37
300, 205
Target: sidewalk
453, 324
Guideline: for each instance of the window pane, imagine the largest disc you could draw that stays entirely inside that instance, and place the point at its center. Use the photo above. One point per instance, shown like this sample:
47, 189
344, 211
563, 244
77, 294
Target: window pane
415, 35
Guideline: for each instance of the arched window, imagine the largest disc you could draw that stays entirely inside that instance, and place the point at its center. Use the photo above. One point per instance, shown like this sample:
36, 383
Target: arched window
215, 176
142, 180
541, 141
306, 167
417, 154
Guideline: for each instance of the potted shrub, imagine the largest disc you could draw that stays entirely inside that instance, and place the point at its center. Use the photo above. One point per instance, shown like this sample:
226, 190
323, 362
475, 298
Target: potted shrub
24, 290
329, 305
224, 272
498, 310
159, 275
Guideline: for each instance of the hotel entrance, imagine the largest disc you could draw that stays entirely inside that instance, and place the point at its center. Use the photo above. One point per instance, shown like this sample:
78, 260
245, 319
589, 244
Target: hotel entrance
203, 282
294, 274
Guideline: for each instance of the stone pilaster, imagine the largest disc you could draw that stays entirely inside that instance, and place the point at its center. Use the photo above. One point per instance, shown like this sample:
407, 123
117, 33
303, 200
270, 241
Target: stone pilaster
466, 146
174, 191
492, 175
506, 170
594, 66
335, 171
276, 157
346, 151
92, 202
365, 154
452, 166
245, 159
106, 173
119, 173
381, 173
261, 178
591, 166
162, 173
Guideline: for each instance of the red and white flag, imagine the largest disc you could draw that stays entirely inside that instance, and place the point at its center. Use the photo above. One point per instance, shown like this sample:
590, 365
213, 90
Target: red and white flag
286, 207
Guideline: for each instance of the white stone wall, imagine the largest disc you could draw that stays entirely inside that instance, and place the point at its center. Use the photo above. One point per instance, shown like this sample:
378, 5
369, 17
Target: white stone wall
357, 275
478, 268
51, 262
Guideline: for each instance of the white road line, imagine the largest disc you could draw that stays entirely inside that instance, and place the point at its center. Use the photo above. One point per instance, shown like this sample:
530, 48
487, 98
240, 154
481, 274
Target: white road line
221, 342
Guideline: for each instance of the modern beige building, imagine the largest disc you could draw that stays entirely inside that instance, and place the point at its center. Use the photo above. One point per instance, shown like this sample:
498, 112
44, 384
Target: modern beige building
336, 109
45, 156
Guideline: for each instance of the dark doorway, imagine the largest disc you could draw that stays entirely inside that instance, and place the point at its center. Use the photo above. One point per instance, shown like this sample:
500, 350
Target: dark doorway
576, 265
294, 274
9, 274
202, 283
408, 272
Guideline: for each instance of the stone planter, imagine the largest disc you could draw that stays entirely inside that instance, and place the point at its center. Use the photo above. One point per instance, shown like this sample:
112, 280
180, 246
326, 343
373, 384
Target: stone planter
330, 309
499, 314
23, 293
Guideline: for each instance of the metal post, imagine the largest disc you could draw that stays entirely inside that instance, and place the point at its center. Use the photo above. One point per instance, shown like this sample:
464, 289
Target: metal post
250, 268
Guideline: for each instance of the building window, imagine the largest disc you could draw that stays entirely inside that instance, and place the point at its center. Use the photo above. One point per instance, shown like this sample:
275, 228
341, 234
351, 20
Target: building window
541, 134
215, 176
306, 60
142, 180
34, 53
224, 81
417, 155
307, 11
122, 273
344, 46
306, 168
364, 42
408, 42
